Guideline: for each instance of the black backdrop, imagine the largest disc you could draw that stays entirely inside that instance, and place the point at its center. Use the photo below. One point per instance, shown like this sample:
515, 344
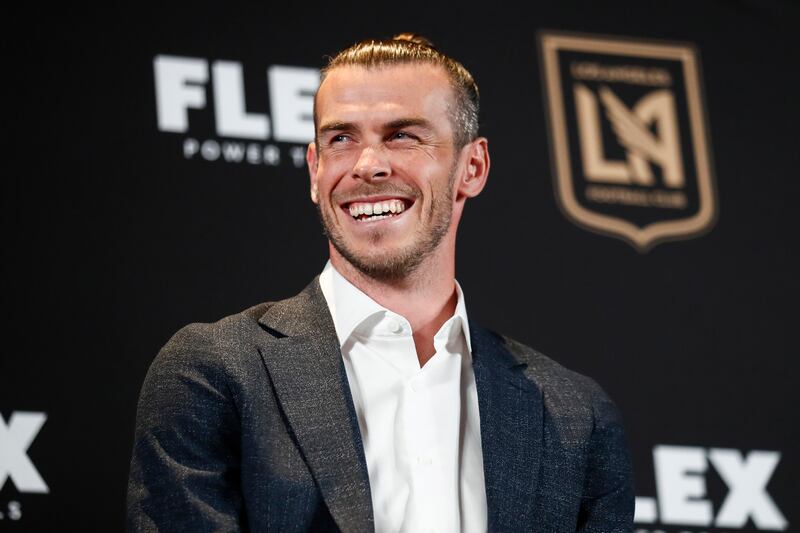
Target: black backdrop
114, 239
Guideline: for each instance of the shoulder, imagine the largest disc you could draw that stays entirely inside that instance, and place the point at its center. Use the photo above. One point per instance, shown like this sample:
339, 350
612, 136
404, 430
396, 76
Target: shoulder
562, 388
223, 346
578, 412
204, 366
228, 333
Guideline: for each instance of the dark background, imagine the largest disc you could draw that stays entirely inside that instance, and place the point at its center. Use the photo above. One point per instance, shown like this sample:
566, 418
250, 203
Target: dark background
113, 240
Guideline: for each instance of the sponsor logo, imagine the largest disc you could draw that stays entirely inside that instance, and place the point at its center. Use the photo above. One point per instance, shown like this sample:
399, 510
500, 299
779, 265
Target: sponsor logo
15, 439
183, 84
628, 137
680, 476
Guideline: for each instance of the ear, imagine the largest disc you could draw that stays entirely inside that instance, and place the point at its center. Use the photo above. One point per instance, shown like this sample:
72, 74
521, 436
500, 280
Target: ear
476, 168
313, 165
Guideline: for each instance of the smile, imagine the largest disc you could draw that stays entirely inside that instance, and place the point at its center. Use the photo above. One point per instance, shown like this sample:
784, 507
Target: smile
366, 211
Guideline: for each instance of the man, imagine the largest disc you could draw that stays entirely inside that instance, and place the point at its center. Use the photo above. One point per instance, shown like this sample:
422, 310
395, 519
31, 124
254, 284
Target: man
369, 401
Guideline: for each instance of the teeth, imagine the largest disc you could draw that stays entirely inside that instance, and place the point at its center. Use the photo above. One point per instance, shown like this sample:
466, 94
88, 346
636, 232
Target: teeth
375, 217
377, 208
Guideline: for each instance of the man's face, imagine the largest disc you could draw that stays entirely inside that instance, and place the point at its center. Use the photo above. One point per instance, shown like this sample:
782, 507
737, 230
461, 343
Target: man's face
385, 145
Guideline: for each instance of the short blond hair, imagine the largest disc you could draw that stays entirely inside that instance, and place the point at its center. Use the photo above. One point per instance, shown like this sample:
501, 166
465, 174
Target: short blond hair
409, 48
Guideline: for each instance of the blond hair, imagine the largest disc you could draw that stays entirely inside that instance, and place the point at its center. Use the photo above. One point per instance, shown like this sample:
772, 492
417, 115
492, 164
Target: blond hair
409, 48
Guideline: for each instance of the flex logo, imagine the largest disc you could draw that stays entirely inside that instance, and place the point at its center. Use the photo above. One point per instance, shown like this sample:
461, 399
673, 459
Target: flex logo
189, 83
680, 474
15, 439
628, 137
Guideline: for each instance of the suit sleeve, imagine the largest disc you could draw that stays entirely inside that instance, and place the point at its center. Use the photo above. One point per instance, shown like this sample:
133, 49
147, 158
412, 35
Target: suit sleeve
184, 473
607, 504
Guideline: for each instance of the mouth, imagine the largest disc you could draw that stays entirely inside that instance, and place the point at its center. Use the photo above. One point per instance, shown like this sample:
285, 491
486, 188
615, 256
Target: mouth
378, 208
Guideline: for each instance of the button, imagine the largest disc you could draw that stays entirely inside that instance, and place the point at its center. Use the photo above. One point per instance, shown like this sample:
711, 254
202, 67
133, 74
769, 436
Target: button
395, 326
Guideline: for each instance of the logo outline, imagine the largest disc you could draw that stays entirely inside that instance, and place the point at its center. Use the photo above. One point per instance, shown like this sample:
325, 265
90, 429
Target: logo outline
645, 238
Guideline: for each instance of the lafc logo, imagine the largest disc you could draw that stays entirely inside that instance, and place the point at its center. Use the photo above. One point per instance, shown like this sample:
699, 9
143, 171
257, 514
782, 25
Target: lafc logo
628, 137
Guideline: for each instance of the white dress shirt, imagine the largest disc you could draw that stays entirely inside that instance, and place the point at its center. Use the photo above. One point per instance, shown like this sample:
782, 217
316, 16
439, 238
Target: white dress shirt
420, 426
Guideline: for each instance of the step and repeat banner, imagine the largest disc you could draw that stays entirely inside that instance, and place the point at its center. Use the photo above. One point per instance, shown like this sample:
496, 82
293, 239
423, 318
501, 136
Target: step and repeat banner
637, 225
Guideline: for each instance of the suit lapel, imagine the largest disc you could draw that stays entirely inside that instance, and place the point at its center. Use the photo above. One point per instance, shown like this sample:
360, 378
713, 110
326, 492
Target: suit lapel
511, 413
305, 365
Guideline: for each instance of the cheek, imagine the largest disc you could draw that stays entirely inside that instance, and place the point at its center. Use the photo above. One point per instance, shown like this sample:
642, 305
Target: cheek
421, 167
331, 172
426, 175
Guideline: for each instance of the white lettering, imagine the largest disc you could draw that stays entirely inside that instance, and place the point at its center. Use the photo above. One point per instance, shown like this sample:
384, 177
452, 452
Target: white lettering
229, 104
645, 511
681, 485
234, 152
298, 156
747, 480
210, 150
190, 147
174, 94
272, 156
15, 439
292, 102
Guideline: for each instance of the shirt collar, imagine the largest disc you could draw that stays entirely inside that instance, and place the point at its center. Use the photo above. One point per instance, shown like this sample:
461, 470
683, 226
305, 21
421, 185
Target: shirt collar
349, 306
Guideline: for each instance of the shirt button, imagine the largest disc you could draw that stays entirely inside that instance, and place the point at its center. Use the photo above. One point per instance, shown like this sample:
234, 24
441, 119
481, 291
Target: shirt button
395, 326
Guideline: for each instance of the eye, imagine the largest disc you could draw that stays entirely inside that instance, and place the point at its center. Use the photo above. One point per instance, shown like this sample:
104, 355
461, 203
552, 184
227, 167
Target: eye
338, 138
402, 135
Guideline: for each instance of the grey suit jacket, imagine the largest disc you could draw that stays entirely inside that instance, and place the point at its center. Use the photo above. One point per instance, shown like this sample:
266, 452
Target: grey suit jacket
247, 424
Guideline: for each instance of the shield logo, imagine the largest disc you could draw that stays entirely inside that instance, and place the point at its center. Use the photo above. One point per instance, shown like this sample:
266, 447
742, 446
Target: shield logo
628, 137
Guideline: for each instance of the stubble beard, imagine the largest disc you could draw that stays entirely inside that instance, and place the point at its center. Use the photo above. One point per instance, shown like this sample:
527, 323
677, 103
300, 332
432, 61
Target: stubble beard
396, 264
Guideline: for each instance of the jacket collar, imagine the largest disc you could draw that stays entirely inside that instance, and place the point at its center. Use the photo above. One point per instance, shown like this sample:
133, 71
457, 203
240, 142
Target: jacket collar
512, 431
305, 365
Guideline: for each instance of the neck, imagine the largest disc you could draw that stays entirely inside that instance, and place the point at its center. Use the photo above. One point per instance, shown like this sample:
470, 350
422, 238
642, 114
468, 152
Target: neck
426, 297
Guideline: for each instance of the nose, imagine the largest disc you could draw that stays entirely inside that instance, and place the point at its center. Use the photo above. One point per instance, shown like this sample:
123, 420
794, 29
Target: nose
372, 164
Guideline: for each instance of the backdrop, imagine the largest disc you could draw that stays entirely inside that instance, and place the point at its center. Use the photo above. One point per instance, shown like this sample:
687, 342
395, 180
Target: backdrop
637, 224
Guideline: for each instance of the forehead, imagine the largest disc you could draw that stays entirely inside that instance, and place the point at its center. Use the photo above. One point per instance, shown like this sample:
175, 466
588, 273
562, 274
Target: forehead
351, 93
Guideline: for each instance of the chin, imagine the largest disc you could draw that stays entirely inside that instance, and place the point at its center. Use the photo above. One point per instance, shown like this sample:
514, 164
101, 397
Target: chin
383, 264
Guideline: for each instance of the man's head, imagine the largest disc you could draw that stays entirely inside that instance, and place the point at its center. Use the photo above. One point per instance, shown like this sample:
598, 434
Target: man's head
394, 135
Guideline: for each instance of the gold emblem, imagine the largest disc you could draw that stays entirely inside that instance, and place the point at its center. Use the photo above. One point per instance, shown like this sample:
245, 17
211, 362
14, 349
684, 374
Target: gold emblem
629, 141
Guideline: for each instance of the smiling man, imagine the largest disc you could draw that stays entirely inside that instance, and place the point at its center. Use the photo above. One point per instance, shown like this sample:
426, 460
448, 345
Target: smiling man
369, 401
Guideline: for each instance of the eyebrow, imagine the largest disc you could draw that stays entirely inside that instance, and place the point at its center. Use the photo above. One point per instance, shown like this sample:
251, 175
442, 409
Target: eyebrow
337, 126
406, 122
394, 124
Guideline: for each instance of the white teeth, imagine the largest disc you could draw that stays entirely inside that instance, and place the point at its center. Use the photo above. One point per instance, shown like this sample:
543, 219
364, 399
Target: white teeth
375, 217
377, 208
